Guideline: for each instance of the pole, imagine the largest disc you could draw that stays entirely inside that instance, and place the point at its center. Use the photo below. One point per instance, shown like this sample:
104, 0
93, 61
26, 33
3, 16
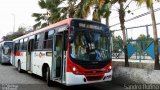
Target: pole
13, 22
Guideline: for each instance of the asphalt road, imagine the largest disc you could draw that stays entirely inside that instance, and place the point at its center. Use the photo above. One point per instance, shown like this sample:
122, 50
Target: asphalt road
11, 79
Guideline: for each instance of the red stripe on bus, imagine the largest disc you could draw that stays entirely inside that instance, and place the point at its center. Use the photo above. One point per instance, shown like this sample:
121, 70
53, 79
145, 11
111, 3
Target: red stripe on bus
18, 54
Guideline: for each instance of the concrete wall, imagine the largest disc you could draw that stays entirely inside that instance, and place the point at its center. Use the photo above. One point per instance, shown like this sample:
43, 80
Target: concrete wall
142, 65
125, 75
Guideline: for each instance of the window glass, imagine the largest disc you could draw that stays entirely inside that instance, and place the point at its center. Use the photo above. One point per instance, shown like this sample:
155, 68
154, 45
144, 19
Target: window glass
58, 45
17, 45
48, 42
37, 38
21, 44
36, 41
50, 34
25, 44
90, 45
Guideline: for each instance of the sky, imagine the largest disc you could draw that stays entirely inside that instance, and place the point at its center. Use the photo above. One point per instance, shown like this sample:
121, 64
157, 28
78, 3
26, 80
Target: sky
21, 9
144, 20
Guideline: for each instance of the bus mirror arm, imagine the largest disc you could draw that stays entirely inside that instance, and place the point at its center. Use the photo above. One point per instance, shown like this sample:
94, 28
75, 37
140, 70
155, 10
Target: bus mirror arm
71, 36
70, 39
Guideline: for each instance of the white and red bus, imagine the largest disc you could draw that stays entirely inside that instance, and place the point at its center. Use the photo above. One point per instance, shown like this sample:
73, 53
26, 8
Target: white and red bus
71, 52
5, 52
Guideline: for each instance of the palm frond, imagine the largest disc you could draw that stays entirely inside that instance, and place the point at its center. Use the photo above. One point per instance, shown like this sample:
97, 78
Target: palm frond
44, 25
101, 3
42, 4
149, 3
36, 14
96, 15
35, 26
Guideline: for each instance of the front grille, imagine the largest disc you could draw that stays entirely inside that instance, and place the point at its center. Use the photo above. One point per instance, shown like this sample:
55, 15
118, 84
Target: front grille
93, 72
93, 66
92, 78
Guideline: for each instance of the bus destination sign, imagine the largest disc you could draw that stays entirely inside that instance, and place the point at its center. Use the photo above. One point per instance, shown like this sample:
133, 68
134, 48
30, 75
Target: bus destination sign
90, 26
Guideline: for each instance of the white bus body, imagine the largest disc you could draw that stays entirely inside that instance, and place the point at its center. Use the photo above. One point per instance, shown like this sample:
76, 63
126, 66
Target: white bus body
47, 53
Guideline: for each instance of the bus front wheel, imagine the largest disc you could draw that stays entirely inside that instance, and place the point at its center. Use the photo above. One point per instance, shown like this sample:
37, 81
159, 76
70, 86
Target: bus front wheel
48, 77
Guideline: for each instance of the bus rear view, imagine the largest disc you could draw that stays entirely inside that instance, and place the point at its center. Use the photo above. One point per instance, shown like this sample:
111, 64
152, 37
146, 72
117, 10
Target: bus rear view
89, 53
5, 52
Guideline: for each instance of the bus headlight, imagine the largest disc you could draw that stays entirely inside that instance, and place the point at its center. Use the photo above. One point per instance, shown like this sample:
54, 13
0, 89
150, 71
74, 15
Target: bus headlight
74, 69
108, 68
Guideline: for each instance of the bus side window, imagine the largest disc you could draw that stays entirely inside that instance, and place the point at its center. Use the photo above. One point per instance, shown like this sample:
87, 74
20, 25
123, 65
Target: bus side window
21, 44
48, 42
58, 45
65, 40
25, 44
36, 41
17, 44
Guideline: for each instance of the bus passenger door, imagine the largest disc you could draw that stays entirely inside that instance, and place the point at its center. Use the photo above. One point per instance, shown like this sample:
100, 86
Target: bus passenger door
57, 56
28, 53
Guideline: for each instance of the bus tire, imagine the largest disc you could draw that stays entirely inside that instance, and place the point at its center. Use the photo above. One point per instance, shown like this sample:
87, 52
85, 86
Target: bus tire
19, 67
48, 77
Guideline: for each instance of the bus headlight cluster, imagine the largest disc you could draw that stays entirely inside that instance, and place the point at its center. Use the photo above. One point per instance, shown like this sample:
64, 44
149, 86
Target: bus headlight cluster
74, 69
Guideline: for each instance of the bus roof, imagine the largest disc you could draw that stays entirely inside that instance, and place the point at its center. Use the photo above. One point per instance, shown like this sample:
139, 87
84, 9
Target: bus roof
1, 42
63, 22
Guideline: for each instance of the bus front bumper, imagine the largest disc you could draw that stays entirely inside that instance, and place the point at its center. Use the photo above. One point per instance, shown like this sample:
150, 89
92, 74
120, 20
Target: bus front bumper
72, 79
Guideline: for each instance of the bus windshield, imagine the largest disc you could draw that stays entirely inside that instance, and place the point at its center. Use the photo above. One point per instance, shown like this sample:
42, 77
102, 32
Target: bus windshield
8, 44
7, 48
90, 45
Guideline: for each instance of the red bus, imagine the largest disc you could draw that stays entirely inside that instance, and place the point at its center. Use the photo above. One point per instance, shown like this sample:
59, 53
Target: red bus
71, 52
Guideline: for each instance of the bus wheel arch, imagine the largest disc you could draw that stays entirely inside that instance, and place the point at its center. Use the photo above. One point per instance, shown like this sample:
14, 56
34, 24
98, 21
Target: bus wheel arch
44, 69
19, 66
46, 73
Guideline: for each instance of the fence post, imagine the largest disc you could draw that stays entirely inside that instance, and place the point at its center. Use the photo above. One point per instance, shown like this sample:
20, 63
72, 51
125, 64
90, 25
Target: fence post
147, 31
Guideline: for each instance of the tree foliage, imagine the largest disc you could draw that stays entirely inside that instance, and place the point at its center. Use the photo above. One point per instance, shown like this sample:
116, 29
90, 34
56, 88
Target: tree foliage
21, 31
143, 42
117, 43
52, 14
149, 4
73, 9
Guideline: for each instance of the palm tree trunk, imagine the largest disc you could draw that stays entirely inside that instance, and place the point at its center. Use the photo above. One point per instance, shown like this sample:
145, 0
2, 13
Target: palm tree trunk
121, 18
156, 66
107, 21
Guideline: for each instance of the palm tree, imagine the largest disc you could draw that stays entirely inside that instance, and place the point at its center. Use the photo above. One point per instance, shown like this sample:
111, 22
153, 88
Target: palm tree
100, 10
73, 10
122, 12
149, 4
122, 20
78, 9
106, 9
82, 10
52, 14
